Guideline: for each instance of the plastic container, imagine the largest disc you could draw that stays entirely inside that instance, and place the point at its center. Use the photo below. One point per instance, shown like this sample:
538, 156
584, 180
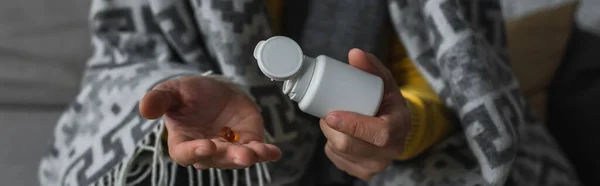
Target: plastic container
319, 85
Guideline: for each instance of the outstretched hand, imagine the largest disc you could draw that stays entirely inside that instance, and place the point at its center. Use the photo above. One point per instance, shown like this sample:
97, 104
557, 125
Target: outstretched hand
195, 110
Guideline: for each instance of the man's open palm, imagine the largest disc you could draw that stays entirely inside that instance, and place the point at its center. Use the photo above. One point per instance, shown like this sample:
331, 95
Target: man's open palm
195, 109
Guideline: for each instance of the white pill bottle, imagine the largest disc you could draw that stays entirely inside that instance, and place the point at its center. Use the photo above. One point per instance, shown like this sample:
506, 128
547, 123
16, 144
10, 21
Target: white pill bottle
319, 85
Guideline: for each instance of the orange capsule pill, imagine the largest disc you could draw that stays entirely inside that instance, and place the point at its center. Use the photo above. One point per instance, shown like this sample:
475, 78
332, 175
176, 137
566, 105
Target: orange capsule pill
229, 135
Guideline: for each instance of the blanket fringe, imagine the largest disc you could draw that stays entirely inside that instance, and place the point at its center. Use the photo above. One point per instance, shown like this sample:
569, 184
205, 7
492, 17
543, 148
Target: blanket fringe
159, 169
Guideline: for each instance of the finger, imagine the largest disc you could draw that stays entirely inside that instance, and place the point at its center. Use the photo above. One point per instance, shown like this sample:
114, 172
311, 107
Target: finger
200, 166
275, 152
264, 152
374, 130
347, 166
355, 147
157, 102
369, 63
233, 156
236, 156
338, 161
209, 153
227, 156
365, 165
189, 152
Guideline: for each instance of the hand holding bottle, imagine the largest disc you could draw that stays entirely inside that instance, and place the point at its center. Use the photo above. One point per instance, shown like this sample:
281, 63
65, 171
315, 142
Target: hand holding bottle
364, 145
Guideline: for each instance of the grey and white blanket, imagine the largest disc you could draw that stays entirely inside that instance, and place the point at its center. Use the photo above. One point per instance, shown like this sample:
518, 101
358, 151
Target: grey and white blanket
459, 47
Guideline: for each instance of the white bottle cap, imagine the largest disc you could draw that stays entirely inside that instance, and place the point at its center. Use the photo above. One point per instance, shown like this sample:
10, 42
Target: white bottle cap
279, 58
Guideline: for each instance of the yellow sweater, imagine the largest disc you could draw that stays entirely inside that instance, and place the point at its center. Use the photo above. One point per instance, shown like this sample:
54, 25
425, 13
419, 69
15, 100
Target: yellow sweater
430, 122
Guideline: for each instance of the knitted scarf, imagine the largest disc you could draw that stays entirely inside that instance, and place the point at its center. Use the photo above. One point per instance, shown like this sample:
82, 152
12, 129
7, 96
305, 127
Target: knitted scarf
458, 46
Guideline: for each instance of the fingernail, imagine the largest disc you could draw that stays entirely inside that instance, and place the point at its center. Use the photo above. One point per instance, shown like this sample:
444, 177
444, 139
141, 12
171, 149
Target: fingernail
200, 152
334, 121
237, 161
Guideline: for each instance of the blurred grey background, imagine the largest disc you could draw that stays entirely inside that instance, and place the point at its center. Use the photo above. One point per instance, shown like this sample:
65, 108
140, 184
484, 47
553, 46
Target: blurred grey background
43, 48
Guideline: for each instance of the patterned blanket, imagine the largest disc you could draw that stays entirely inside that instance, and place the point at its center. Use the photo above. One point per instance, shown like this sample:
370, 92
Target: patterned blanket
458, 46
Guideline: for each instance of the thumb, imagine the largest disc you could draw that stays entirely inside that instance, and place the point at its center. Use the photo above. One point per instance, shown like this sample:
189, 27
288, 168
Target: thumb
370, 129
157, 102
